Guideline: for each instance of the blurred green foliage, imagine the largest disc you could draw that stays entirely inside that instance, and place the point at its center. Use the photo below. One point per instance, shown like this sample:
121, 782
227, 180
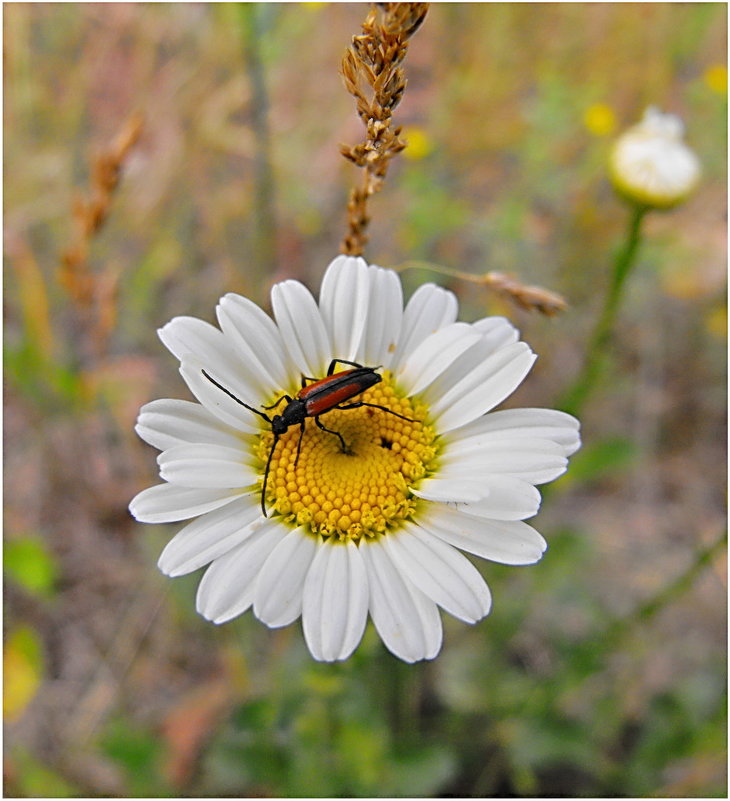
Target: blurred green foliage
29, 562
138, 754
35, 780
601, 671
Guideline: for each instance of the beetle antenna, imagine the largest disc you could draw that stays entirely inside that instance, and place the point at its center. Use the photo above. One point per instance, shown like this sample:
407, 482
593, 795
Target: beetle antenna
266, 474
238, 400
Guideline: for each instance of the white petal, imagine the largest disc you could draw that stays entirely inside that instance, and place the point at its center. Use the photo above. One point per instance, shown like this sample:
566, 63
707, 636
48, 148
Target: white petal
302, 327
481, 446
343, 301
509, 498
464, 488
257, 342
550, 424
167, 422
227, 588
407, 621
510, 542
491, 331
210, 536
500, 497
189, 338
480, 351
383, 325
497, 331
429, 309
168, 503
184, 335
206, 466
434, 355
536, 461
440, 571
218, 402
279, 587
335, 603
488, 383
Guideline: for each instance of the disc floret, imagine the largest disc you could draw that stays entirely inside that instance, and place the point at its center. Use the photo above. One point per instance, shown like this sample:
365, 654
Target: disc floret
364, 490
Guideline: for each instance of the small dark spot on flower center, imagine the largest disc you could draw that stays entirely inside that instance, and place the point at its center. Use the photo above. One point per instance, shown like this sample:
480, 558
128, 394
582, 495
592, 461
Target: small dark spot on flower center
386, 443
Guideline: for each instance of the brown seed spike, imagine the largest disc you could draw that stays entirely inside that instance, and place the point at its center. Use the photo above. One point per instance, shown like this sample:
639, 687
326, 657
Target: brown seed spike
373, 60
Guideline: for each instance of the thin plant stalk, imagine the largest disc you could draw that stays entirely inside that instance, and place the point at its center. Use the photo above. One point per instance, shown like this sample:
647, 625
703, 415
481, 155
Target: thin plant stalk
576, 396
591, 655
529, 298
263, 256
595, 649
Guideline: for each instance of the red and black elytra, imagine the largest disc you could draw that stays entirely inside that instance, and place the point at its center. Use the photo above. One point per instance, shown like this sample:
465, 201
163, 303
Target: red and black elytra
314, 400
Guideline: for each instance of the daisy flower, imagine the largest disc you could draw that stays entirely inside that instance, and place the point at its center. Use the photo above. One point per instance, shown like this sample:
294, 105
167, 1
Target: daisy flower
651, 165
375, 528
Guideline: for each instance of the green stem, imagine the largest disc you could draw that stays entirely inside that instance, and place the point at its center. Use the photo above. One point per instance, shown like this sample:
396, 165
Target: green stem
263, 261
589, 656
702, 558
576, 396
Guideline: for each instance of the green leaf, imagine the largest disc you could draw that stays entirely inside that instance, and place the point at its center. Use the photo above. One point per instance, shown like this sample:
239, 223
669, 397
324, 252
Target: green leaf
33, 779
28, 562
138, 752
536, 743
422, 772
603, 458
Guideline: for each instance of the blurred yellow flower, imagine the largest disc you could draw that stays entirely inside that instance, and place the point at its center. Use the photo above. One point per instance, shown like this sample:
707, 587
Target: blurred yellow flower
419, 143
694, 279
716, 322
683, 283
599, 119
716, 78
651, 165
22, 671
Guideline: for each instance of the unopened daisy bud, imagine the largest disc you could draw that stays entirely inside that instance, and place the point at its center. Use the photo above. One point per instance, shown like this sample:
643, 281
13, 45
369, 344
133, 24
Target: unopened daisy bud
651, 166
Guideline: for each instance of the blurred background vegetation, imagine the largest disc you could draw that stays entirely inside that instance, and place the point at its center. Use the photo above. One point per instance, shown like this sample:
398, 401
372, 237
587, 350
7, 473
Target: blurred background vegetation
600, 671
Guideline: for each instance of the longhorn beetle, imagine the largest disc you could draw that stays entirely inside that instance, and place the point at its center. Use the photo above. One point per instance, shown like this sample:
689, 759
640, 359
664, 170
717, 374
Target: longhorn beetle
314, 400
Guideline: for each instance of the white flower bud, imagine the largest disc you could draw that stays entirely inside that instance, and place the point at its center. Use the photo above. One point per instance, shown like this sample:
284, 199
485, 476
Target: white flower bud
651, 165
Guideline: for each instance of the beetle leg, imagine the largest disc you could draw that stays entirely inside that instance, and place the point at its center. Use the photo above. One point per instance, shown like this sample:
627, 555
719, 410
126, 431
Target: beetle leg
266, 474
345, 449
375, 406
331, 368
299, 444
277, 402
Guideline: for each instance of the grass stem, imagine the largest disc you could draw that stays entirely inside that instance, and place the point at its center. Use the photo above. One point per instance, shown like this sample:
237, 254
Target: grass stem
574, 399
263, 252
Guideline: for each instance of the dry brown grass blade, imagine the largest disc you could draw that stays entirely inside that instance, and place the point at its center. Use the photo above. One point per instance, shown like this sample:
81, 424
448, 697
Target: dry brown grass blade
94, 295
32, 293
530, 298
371, 70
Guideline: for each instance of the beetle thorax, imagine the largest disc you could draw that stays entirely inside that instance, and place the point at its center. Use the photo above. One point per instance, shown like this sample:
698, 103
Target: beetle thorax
293, 414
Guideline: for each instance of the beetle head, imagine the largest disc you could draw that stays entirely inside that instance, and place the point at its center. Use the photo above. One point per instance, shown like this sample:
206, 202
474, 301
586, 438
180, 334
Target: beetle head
278, 425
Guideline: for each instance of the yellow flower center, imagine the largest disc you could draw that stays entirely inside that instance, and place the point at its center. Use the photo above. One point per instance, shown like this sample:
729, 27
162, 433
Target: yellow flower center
364, 490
